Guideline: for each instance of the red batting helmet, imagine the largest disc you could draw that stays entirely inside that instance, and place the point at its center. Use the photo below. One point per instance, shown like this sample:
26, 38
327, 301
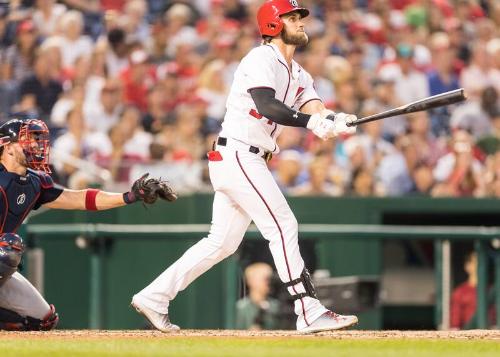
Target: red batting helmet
268, 16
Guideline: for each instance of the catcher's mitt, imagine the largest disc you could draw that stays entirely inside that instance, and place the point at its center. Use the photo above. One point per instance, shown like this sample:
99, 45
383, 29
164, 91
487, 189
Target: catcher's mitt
149, 189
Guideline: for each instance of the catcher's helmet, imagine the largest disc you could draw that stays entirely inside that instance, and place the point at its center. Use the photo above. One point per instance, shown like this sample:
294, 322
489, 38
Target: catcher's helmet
268, 15
33, 136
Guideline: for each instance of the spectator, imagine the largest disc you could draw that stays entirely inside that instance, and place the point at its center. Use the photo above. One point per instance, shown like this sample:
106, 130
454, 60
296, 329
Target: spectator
430, 148
480, 73
134, 19
464, 298
326, 71
423, 180
117, 51
5, 39
492, 175
442, 78
474, 116
16, 63
117, 162
362, 183
73, 42
410, 84
213, 90
79, 74
106, 5
319, 183
156, 115
185, 177
490, 142
372, 143
288, 170
395, 170
346, 99
47, 15
178, 19
257, 311
97, 75
137, 79
493, 49
385, 98
156, 44
52, 46
39, 92
68, 144
459, 173
77, 144
73, 98
137, 140
187, 143
102, 115
292, 138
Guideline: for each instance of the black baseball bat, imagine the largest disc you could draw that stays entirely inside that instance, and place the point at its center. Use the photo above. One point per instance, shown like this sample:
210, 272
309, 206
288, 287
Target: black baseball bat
439, 100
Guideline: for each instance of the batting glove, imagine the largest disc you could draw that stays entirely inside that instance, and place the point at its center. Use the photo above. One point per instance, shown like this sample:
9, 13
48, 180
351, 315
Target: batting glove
340, 121
321, 127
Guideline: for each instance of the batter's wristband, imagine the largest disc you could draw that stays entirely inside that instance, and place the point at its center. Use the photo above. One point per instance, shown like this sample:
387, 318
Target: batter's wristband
90, 199
129, 197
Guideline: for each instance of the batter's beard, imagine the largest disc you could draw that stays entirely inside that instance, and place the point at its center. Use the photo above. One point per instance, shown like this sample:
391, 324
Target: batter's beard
299, 40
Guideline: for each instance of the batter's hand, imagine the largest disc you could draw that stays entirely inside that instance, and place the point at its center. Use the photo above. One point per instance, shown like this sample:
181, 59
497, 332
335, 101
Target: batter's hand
340, 121
321, 126
149, 189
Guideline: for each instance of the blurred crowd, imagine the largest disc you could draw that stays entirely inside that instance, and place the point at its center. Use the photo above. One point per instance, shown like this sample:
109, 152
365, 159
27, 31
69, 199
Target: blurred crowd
133, 86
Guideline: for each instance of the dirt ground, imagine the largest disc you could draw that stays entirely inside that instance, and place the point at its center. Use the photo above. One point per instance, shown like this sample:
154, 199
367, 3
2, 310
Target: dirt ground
353, 334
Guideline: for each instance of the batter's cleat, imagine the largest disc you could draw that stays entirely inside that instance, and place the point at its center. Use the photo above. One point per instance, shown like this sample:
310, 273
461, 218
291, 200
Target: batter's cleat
159, 321
330, 321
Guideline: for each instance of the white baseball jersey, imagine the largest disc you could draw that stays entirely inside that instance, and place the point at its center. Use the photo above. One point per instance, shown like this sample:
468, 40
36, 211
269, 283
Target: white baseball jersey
264, 67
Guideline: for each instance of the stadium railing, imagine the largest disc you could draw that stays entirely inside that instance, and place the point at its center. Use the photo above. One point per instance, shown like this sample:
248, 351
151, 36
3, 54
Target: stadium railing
440, 235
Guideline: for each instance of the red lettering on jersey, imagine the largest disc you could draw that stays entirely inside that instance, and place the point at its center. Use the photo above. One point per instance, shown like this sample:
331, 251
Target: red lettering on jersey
255, 114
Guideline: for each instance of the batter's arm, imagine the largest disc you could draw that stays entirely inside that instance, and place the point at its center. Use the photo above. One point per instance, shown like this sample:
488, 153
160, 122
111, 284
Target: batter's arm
271, 108
312, 107
76, 199
321, 121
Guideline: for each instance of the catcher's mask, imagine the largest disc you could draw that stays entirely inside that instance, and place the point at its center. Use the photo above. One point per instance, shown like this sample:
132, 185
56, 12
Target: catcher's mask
33, 137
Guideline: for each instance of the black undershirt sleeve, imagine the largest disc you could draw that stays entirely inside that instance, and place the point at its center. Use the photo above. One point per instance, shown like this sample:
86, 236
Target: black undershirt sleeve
271, 108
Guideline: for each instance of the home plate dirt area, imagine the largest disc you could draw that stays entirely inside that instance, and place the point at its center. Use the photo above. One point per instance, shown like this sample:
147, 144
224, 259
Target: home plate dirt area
341, 335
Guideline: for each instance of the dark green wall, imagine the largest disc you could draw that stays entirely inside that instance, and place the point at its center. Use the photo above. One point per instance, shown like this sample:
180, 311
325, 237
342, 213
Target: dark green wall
131, 264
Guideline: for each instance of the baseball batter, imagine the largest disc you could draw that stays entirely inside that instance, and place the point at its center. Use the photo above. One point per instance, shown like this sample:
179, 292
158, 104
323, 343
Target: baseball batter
25, 184
270, 90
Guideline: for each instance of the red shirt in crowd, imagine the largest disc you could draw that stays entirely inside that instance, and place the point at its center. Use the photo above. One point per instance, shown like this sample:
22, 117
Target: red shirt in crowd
463, 305
117, 5
136, 92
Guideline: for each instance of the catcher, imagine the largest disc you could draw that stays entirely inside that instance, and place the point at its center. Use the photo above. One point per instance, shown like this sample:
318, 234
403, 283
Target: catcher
26, 184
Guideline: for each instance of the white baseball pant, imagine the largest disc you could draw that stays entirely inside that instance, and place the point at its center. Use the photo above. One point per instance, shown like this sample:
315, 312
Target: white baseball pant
245, 191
